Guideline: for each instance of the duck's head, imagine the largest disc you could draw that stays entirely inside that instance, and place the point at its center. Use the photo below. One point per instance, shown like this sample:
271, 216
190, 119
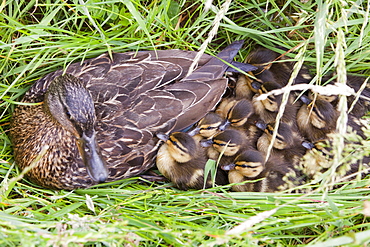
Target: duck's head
321, 112
181, 146
238, 114
272, 102
71, 106
249, 163
284, 137
208, 125
321, 146
229, 141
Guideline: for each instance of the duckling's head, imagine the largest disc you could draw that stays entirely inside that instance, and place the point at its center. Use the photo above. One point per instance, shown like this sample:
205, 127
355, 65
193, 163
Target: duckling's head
249, 163
181, 146
321, 112
239, 113
208, 125
70, 104
229, 141
284, 137
272, 102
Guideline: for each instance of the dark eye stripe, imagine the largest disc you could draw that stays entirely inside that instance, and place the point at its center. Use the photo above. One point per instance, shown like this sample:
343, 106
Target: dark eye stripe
174, 142
222, 144
208, 128
318, 113
247, 166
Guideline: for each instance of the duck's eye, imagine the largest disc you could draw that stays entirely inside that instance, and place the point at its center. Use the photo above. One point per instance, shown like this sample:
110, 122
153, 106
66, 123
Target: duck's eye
210, 128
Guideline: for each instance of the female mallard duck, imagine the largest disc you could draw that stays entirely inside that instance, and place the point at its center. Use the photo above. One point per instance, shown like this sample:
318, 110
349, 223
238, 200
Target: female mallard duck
182, 160
97, 120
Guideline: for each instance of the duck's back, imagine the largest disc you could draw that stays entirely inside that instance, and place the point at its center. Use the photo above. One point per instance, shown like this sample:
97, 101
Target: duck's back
139, 94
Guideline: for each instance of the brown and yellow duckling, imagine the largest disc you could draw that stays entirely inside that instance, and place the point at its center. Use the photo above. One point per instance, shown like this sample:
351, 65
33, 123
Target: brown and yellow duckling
267, 109
229, 143
316, 119
97, 120
275, 67
274, 175
357, 109
208, 126
287, 144
319, 158
236, 113
182, 160
246, 167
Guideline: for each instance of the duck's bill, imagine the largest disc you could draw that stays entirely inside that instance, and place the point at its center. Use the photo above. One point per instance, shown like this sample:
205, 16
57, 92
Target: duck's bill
92, 158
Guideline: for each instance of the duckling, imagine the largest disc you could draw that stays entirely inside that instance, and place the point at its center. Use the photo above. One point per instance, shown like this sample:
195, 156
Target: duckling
276, 175
246, 88
97, 119
230, 143
286, 146
240, 115
319, 158
316, 119
236, 113
208, 126
361, 107
268, 108
272, 67
246, 166
181, 160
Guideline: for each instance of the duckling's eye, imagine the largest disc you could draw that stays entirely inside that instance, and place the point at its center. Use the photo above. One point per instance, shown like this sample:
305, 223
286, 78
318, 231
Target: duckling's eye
245, 166
209, 128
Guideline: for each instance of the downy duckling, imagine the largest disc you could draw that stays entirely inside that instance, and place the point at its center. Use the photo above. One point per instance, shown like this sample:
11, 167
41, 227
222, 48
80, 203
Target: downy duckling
246, 166
208, 126
182, 160
319, 158
286, 146
229, 143
276, 176
316, 119
246, 88
239, 114
274, 67
268, 108
361, 107
236, 113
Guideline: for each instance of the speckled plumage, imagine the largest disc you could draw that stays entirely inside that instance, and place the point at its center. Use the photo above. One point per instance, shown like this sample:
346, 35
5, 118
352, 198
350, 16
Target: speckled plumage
134, 96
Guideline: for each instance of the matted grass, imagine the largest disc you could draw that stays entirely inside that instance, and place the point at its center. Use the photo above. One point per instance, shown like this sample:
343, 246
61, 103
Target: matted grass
38, 37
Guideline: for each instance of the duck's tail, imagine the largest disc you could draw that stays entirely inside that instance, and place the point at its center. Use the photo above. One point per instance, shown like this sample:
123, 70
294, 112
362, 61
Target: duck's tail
216, 66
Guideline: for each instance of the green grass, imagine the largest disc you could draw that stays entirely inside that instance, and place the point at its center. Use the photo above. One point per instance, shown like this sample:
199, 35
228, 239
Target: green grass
38, 37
